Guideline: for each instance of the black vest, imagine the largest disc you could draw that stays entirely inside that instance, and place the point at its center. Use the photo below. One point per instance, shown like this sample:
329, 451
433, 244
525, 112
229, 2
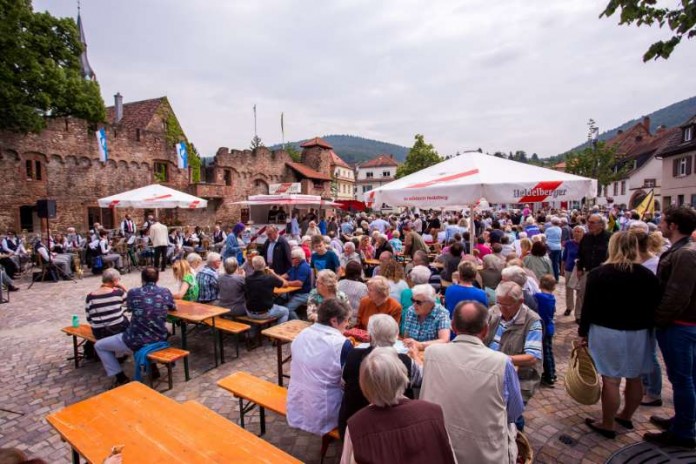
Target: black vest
11, 244
353, 398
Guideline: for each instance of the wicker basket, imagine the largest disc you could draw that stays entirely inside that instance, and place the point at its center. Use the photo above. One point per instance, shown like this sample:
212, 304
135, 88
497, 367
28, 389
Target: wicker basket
581, 380
525, 453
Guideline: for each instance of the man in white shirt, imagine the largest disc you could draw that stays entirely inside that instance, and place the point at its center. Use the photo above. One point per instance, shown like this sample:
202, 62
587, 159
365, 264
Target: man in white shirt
160, 240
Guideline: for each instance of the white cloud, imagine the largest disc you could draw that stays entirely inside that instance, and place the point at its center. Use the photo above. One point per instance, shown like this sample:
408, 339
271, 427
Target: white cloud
514, 75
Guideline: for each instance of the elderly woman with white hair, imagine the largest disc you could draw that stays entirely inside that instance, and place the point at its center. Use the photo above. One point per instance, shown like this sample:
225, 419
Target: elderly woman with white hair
377, 301
394, 428
349, 254
383, 332
327, 288
427, 322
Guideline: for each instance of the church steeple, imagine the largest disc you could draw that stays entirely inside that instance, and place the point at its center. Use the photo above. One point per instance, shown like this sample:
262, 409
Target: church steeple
87, 71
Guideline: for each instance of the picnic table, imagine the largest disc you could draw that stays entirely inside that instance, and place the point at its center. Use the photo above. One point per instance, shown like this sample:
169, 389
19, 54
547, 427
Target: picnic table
283, 290
195, 313
282, 334
156, 429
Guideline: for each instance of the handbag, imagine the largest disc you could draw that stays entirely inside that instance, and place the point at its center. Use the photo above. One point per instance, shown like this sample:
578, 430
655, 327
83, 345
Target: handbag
573, 280
581, 380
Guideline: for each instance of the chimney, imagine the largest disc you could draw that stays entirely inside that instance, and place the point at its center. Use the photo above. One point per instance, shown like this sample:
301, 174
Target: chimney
661, 129
118, 107
646, 123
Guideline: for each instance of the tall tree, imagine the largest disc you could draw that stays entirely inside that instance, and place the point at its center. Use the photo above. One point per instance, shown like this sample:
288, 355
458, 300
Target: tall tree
681, 20
420, 156
600, 162
40, 70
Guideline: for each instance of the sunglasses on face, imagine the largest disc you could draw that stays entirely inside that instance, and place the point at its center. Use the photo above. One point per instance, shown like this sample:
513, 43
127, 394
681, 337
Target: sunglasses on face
417, 302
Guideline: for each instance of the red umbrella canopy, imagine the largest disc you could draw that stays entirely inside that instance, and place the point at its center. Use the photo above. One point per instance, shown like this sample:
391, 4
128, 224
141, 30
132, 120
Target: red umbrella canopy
351, 205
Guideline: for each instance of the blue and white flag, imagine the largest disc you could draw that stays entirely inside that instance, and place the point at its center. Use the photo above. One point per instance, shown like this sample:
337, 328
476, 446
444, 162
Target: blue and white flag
181, 155
103, 148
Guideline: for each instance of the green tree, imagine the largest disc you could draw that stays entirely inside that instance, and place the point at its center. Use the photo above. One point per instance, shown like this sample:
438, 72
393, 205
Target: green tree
420, 156
294, 153
681, 20
600, 162
40, 72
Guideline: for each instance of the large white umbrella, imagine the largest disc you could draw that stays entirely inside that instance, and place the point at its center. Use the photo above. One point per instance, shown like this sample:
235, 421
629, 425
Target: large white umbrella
152, 196
465, 179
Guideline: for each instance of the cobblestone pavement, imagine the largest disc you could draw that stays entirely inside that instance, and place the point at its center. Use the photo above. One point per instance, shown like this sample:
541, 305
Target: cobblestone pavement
37, 379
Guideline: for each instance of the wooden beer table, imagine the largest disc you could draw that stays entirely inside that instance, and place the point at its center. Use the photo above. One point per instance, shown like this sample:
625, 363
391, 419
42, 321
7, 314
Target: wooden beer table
284, 290
156, 429
196, 313
282, 334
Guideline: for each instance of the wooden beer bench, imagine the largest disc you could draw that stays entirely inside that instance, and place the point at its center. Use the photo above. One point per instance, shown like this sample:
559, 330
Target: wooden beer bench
227, 326
265, 395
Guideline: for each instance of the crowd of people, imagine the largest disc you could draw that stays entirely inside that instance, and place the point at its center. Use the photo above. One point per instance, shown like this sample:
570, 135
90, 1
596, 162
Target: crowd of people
438, 300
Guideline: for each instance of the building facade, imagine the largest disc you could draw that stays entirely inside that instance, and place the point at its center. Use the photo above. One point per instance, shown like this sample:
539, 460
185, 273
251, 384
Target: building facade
678, 158
374, 173
62, 163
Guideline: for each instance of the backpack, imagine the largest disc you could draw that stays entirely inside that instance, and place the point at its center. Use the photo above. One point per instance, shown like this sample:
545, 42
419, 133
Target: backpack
97, 265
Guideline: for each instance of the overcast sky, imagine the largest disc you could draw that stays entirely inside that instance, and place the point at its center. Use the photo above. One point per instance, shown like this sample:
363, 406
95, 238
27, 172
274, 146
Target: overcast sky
500, 75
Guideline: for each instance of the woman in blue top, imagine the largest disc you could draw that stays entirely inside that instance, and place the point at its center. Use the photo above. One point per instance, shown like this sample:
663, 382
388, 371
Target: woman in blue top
553, 242
232, 248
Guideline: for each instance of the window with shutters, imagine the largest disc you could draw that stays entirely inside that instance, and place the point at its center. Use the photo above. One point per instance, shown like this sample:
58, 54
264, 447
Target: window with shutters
693, 200
616, 188
681, 167
623, 187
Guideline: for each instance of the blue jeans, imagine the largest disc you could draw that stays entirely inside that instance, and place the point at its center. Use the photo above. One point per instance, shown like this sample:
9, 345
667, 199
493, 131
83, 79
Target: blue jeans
678, 345
281, 312
652, 381
296, 300
555, 256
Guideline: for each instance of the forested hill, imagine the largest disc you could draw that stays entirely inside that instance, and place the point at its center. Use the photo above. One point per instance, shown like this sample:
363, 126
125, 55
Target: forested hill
354, 149
671, 116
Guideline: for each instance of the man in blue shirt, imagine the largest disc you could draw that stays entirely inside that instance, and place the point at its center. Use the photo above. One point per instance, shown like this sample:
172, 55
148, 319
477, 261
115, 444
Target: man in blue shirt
149, 305
208, 286
299, 275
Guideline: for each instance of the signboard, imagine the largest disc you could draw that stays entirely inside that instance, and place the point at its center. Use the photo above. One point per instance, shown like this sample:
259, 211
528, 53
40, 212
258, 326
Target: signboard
290, 187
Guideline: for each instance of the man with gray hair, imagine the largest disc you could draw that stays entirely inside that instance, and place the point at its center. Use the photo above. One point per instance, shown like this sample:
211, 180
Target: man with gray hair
299, 275
207, 278
349, 254
519, 276
259, 292
476, 422
516, 330
592, 252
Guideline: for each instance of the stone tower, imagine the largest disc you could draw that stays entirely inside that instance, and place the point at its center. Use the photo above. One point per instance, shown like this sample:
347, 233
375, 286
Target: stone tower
316, 153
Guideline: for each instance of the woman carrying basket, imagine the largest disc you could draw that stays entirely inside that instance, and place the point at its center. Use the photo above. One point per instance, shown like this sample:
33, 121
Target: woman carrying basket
617, 314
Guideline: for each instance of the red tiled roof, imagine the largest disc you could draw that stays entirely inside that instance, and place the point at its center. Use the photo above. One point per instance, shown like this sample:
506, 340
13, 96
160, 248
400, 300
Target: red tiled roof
624, 142
136, 115
654, 144
335, 159
308, 172
316, 142
379, 161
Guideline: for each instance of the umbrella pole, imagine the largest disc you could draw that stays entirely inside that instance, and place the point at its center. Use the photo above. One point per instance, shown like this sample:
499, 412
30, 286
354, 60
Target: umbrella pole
472, 229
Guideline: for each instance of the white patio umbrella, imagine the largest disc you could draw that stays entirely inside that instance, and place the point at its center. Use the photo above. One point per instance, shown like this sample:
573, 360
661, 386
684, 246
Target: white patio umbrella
152, 196
463, 180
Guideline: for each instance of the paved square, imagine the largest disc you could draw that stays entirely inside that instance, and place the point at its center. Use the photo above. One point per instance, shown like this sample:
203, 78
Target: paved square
37, 378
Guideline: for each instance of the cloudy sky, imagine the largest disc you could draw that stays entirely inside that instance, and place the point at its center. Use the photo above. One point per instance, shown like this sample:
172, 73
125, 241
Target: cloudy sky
501, 75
